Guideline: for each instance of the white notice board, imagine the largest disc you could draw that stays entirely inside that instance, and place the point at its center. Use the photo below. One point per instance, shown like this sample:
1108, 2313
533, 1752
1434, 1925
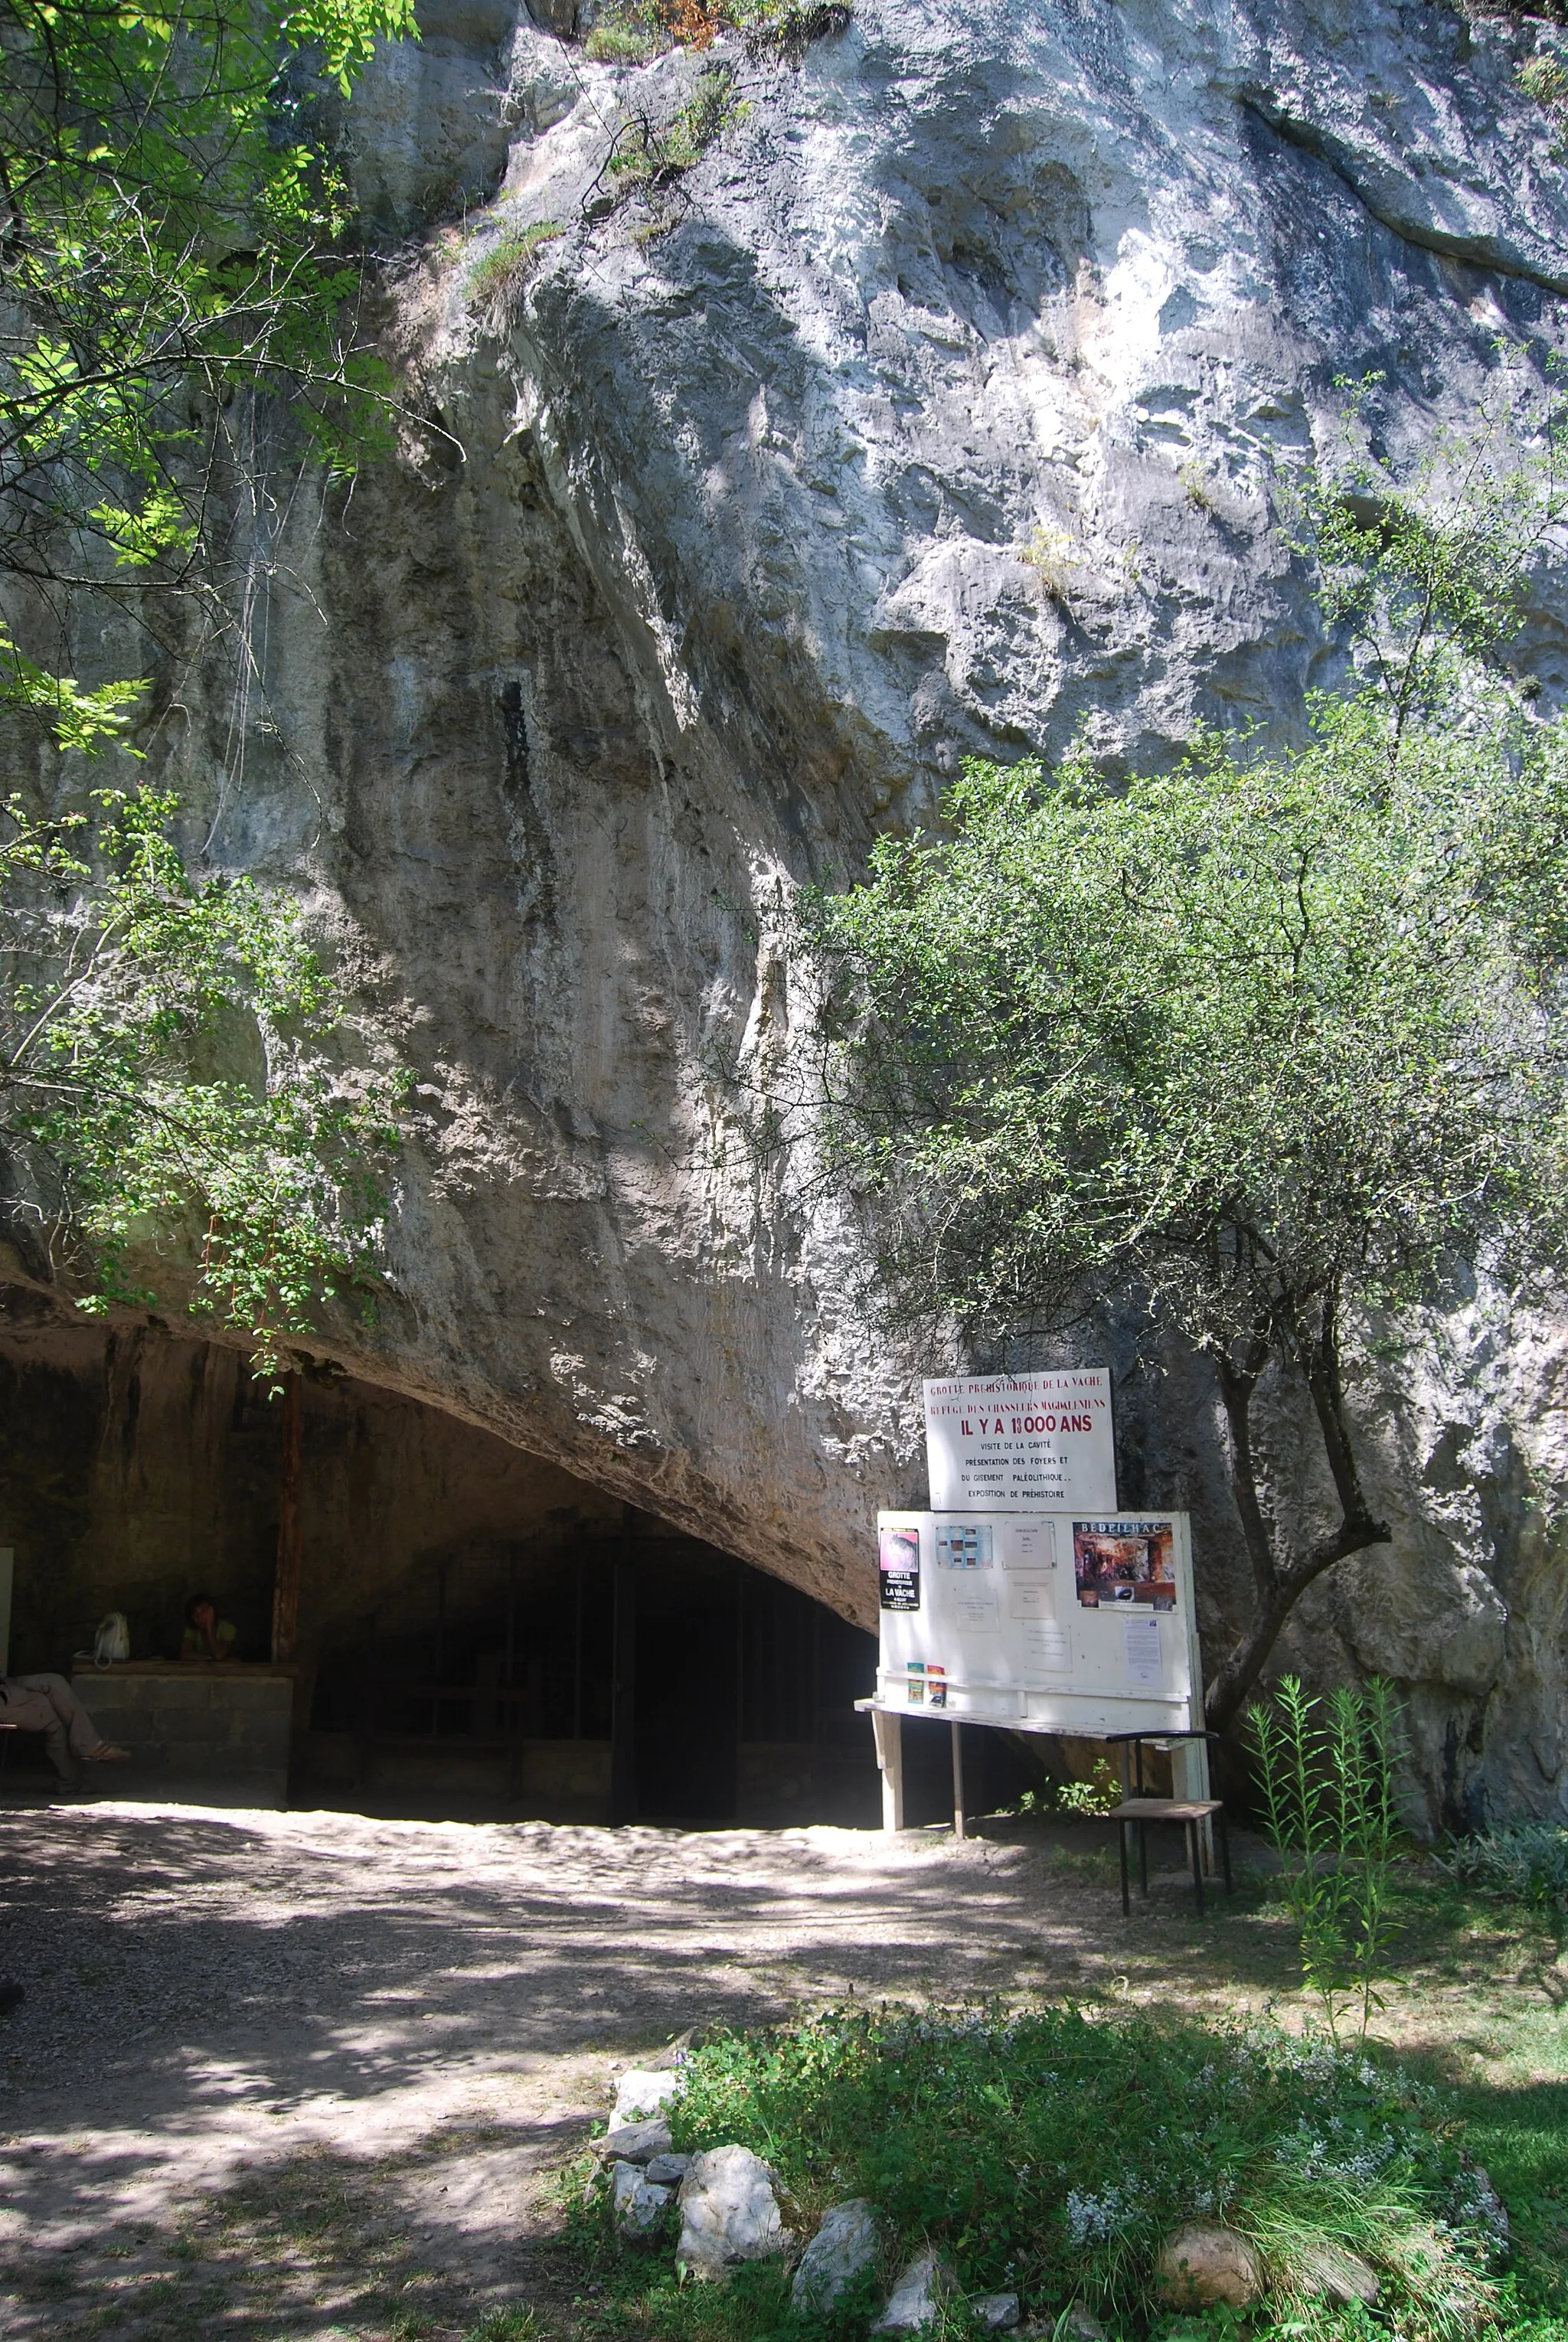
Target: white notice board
1057, 1621
1012, 1441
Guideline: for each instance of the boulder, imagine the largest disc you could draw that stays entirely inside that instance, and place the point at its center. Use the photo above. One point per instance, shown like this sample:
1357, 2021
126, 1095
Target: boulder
636, 2142
844, 2245
667, 2170
1338, 2274
637, 2204
1081, 2325
641, 2092
917, 2296
996, 2313
729, 2214
1202, 2263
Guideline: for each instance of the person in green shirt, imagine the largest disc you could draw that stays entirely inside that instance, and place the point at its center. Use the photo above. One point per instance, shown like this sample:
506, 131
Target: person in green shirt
206, 1636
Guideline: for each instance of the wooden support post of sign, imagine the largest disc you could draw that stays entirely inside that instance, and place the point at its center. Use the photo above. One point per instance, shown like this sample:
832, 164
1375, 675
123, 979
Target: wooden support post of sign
290, 1546
623, 1677
957, 1731
889, 1733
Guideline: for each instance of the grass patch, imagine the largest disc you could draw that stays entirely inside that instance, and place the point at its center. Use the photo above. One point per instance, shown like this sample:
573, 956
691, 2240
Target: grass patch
1049, 2154
646, 157
495, 282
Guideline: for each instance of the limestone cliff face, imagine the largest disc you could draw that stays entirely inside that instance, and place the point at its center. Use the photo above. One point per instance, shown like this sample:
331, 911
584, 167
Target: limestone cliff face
943, 407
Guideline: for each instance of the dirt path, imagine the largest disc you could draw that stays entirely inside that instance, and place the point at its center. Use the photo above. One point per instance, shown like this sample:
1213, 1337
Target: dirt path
308, 2073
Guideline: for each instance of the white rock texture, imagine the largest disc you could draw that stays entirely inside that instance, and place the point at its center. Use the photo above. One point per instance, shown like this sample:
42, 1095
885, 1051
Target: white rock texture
844, 2245
943, 407
637, 2202
729, 2214
916, 2299
641, 2092
636, 2142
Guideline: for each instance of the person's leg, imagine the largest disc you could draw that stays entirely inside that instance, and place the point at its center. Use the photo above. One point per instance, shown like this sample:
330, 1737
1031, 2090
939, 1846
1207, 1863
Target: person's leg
31, 1710
86, 1740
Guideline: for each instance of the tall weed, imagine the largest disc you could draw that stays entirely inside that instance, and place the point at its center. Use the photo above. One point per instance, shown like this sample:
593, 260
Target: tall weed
1325, 1770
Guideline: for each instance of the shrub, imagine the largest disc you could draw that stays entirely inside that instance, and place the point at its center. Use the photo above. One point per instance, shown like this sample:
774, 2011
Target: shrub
630, 32
653, 158
1528, 1860
497, 280
1049, 2154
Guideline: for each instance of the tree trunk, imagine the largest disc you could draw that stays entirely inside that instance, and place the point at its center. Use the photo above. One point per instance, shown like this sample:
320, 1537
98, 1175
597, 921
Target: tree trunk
1279, 1584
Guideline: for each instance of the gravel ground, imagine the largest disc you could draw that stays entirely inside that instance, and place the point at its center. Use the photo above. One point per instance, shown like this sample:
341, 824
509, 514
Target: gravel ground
309, 2073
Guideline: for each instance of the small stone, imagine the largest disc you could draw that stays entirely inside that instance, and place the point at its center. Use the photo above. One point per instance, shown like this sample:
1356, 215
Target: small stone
1340, 2275
917, 2296
1082, 2324
636, 2142
844, 2245
641, 2092
636, 2206
729, 2214
667, 2170
997, 2313
1202, 2263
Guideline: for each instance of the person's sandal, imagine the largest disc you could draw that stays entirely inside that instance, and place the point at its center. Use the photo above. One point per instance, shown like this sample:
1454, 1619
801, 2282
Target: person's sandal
106, 1753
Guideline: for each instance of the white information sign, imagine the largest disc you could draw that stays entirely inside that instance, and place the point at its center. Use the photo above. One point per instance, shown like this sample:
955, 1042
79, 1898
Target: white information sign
1075, 1621
1012, 1441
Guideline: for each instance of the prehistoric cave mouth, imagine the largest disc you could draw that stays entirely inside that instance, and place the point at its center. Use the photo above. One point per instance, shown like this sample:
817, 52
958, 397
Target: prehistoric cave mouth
480, 1635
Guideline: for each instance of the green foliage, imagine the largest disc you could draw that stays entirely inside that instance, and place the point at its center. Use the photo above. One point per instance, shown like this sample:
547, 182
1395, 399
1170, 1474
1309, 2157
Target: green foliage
1049, 2154
1325, 1772
630, 32
496, 279
168, 1109
1527, 1861
175, 233
646, 154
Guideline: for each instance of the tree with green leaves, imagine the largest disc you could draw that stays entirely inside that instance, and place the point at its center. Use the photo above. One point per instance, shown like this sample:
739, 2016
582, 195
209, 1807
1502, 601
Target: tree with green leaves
179, 287
174, 1126
174, 240
1257, 1046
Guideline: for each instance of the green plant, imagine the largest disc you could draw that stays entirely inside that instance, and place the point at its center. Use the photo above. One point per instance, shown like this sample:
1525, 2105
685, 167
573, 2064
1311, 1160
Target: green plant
176, 243
628, 33
644, 156
1049, 2152
1051, 553
497, 278
170, 1108
1092, 1799
1200, 492
1325, 1770
1527, 1860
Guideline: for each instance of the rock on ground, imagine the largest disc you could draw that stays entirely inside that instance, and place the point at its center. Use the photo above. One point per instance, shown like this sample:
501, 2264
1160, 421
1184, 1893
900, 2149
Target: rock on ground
922, 2285
844, 2245
996, 2313
729, 2214
1340, 2275
643, 2092
636, 2142
1204, 2264
637, 2204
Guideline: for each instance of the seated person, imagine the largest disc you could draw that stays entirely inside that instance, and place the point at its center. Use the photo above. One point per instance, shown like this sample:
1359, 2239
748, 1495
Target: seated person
206, 1636
47, 1703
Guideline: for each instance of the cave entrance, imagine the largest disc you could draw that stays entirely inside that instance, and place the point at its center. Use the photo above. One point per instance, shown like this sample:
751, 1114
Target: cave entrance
480, 1632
